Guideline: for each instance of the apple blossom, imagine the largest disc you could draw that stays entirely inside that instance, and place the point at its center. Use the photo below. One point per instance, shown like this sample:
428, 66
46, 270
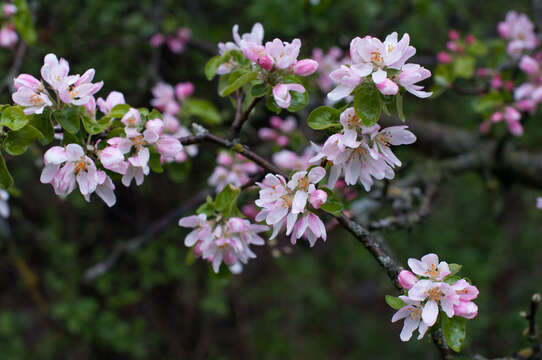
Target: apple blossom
436, 293
9, 9
281, 93
232, 169
164, 98
8, 36
33, 101
113, 99
430, 267
412, 313
519, 30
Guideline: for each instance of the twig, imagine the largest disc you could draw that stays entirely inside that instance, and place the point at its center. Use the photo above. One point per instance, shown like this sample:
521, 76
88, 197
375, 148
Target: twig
532, 333
135, 243
241, 116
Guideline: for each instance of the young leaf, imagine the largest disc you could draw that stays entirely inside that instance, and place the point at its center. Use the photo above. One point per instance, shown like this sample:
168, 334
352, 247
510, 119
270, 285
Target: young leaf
202, 109
259, 90
367, 103
394, 302
14, 118
464, 66
118, 111
454, 268
5, 177
212, 66
236, 82
226, 200
454, 330
42, 122
154, 162
69, 119
17, 141
323, 117
299, 100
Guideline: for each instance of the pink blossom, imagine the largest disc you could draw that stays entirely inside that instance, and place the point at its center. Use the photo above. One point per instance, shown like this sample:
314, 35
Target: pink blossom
430, 267
8, 37
105, 189
452, 46
466, 309
412, 313
407, 279
175, 44
327, 63
529, 65
444, 57
231, 170
184, 90
157, 40
113, 99
283, 54
9, 9
131, 121
184, 34
453, 34
496, 82
289, 160
82, 90
539, 202
436, 293
412, 74
388, 87
26, 80
32, 101
281, 93
519, 30
55, 72
318, 198
112, 158
305, 67
265, 62
164, 98
470, 39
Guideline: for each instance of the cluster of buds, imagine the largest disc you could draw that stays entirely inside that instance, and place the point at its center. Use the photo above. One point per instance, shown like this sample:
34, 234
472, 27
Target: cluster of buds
285, 203
280, 130
169, 100
385, 63
277, 59
222, 239
176, 42
232, 169
362, 153
455, 46
57, 87
8, 35
519, 31
431, 287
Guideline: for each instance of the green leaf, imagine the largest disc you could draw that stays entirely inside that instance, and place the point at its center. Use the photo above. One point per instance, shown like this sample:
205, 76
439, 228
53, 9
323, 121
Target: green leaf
299, 100
69, 119
332, 205
367, 103
464, 66
394, 302
488, 102
43, 123
259, 90
14, 118
202, 109
212, 65
444, 75
454, 330
324, 117
270, 102
118, 111
23, 22
226, 200
208, 208
5, 177
399, 105
454, 268
17, 142
94, 127
154, 162
235, 82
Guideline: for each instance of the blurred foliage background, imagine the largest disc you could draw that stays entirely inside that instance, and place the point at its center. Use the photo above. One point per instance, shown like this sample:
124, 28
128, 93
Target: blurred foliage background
327, 302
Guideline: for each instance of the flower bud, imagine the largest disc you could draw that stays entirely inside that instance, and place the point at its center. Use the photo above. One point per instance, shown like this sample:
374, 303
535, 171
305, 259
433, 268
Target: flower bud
496, 82
276, 122
444, 57
318, 198
283, 140
496, 117
265, 62
184, 90
511, 114
529, 65
388, 87
157, 40
224, 159
305, 67
267, 134
407, 279
485, 127
452, 46
515, 128
526, 105
28, 81
466, 309
508, 85
9, 9
470, 39
453, 34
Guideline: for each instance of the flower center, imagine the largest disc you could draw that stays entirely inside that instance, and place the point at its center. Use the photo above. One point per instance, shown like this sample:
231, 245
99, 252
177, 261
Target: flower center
303, 183
287, 200
36, 99
415, 313
376, 57
433, 271
80, 166
435, 294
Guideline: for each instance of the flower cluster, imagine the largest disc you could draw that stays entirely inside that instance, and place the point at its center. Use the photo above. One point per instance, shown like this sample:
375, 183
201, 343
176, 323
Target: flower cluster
279, 131
327, 63
175, 42
455, 46
429, 287
285, 203
232, 169
35, 95
362, 153
220, 240
129, 155
385, 62
169, 100
519, 31
276, 59
8, 35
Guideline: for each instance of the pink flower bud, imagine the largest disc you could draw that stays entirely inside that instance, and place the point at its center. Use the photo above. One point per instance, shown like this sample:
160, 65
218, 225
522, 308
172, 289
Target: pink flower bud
407, 279
276, 122
283, 140
267, 134
511, 114
305, 67
470, 39
526, 105
496, 82
452, 46
184, 34
9, 9
509, 85
224, 159
444, 57
503, 30
485, 127
28, 81
453, 34
466, 309
157, 40
496, 117
481, 72
529, 65
515, 128
184, 90
318, 198
388, 87
265, 62
175, 45
249, 211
